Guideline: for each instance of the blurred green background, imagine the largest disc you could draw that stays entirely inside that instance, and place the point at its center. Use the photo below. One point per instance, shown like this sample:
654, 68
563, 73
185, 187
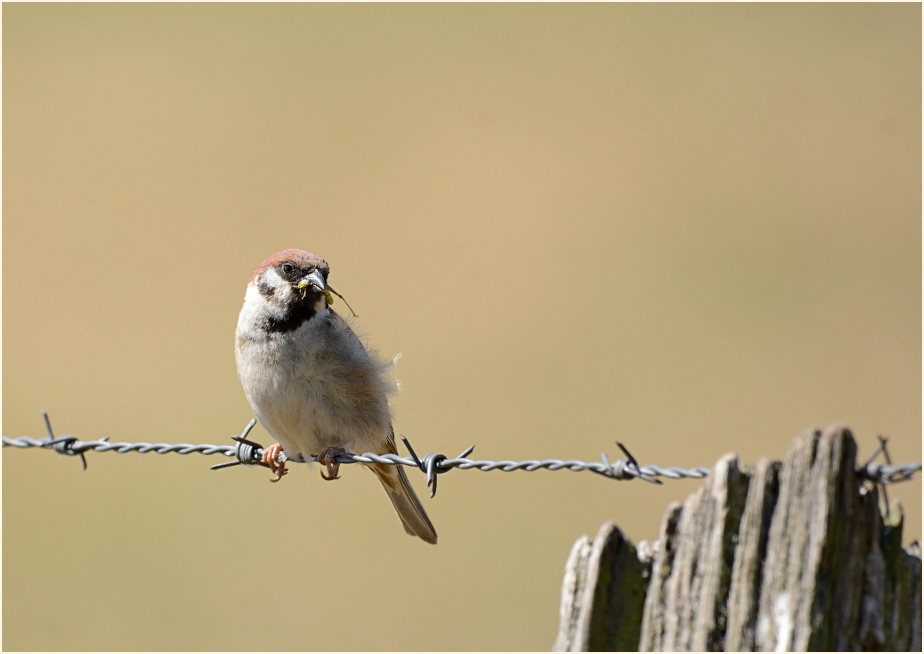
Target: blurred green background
695, 229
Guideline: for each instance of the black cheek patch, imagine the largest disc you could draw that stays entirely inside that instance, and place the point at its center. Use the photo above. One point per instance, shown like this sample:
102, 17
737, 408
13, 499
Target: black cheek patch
265, 289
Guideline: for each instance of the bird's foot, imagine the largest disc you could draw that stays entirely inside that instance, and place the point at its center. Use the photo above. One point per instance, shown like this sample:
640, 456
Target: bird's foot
271, 458
327, 458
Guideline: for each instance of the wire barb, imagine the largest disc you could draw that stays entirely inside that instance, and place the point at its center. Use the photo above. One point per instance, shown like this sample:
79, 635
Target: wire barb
245, 451
883, 474
63, 445
431, 463
622, 470
886, 473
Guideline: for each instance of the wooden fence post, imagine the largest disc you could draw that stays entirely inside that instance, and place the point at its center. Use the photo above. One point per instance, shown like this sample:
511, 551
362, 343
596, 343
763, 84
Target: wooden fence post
786, 556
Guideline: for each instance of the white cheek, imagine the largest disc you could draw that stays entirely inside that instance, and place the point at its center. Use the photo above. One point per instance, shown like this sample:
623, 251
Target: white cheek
273, 305
283, 290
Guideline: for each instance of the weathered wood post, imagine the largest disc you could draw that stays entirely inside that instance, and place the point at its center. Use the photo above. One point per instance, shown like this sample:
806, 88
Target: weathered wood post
787, 556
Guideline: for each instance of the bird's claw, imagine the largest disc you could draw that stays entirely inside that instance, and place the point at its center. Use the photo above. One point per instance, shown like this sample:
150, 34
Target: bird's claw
328, 458
271, 458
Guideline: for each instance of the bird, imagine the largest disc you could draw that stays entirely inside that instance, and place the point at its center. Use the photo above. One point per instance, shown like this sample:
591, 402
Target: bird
312, 383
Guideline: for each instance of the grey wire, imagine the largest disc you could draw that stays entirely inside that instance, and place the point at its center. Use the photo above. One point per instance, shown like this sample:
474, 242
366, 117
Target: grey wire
104, 445
248, 452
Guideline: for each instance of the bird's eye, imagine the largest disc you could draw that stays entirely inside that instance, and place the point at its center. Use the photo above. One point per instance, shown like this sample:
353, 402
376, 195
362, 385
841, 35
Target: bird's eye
288, 268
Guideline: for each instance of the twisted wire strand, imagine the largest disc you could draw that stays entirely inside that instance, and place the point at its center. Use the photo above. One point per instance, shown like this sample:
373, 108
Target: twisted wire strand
247, 452
104, 445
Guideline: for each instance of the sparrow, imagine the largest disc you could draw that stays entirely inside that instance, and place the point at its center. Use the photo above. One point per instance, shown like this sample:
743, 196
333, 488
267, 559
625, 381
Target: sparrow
312, 383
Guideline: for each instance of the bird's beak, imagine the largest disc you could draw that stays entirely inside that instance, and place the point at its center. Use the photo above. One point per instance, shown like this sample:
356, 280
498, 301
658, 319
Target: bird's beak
314, 278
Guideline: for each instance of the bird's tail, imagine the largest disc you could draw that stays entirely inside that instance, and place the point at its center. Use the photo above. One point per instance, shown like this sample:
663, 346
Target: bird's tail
405, 501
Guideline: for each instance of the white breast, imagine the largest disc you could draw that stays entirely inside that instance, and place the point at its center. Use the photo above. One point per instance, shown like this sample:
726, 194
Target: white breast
315, 387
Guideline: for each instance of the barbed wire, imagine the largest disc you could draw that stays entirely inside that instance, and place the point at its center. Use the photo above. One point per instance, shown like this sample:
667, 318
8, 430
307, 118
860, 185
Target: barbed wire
247, 452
